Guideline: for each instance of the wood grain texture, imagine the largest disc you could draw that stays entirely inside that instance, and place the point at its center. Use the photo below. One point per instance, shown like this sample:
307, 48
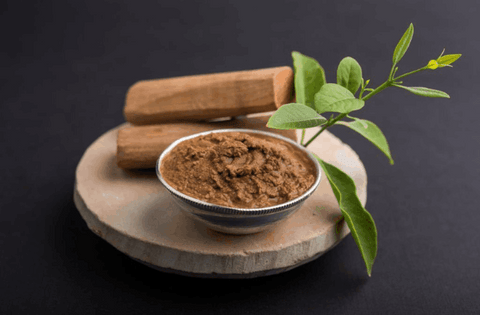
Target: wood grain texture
140, 146
132, 211
203, 97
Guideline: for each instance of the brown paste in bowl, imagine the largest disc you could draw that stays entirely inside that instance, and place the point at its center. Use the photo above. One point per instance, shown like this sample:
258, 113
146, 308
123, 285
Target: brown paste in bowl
241, 170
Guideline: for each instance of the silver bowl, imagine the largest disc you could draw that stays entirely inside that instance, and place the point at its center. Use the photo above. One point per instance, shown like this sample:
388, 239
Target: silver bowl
237, 220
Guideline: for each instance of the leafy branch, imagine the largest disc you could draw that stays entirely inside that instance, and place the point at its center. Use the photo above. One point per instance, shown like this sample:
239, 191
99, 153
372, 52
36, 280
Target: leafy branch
314, 97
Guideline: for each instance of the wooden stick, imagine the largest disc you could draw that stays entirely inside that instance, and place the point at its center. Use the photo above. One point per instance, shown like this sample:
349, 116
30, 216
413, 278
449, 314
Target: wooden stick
140, 146
208, 96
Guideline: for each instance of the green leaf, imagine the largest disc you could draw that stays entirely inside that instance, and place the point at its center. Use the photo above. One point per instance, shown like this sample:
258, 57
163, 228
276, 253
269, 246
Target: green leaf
335, 98
370, 131
309, 78
447, 59
423, 91
403, 44
359, 221
295, 116
349, 74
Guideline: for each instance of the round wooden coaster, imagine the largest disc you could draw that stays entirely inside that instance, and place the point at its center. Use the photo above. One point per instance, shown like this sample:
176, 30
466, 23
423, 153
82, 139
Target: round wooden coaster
132, 211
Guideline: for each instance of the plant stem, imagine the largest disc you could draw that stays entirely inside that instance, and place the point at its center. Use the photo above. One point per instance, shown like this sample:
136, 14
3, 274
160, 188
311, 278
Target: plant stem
332, 122
316, 135
390, 76
361, 92
328, 124
303, 137
409, 73
378, 89
389, 82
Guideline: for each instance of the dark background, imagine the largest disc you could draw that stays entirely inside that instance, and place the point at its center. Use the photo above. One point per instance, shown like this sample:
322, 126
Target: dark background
66, 66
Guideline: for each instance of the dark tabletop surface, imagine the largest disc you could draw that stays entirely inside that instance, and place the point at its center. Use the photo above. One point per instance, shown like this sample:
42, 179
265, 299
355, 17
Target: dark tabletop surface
66, 66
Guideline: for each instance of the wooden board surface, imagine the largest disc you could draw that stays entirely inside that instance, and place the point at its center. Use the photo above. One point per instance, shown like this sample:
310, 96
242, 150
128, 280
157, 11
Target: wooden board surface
133, 212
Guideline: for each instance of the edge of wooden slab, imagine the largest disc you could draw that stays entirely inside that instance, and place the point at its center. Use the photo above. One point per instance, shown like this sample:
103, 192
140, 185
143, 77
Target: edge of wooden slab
136, 248
101, 230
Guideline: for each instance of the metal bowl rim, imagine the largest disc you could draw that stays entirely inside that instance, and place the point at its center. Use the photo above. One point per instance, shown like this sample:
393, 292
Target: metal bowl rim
210, 207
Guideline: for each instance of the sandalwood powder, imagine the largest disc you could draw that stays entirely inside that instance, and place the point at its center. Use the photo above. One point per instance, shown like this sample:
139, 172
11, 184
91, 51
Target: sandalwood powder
236, 169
